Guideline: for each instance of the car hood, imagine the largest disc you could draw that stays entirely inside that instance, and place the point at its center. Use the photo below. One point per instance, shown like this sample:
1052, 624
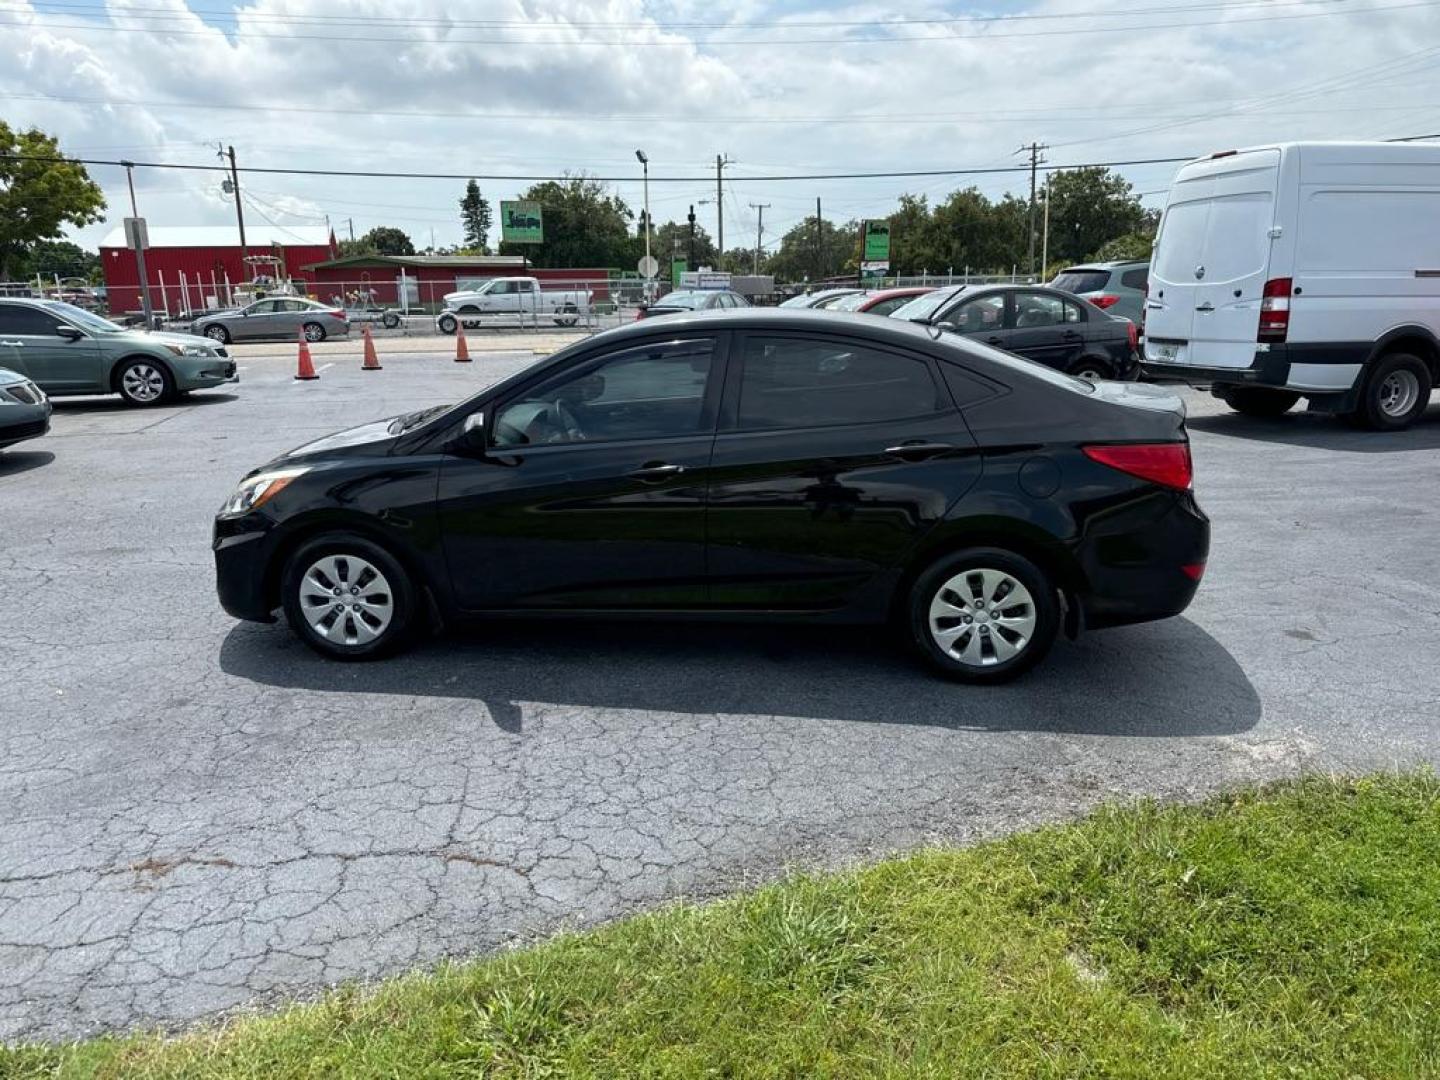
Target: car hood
371, 438
161, 337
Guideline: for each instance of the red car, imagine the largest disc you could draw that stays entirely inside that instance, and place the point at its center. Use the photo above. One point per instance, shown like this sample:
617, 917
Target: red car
879, 301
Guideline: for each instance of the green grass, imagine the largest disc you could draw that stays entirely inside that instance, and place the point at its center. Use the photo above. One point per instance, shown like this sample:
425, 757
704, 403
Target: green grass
1288, 932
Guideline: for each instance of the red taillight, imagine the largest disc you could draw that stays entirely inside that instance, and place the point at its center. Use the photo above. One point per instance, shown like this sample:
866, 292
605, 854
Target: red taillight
339, 313
1166, 464
1105, 301
1194, 571
1275, 310
1134, 336
639, 314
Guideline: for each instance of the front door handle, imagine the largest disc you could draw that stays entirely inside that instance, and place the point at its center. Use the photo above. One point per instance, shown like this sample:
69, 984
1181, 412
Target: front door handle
14, 344
994, 341
657, 471
918, 451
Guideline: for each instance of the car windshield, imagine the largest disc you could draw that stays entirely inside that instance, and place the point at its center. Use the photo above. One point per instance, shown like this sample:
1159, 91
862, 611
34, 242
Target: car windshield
925, 305
690, 300
86, 320
850, 303
1081, 281
833, 300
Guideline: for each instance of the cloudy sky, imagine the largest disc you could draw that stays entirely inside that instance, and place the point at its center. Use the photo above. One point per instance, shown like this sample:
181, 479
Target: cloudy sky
507, 87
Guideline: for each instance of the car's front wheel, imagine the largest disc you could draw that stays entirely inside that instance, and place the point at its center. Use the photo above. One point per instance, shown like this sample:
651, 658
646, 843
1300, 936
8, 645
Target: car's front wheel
144, 382
984, 615
348, 598
448, 324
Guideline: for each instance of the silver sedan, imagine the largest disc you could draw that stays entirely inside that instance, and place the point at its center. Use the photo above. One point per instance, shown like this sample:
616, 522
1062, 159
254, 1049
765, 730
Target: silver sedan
24, 409
275, 318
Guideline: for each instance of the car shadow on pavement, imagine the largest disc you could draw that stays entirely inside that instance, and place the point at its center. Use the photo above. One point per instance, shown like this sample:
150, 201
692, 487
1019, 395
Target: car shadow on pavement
1323, 432
112, 403
1165, 679
14, 462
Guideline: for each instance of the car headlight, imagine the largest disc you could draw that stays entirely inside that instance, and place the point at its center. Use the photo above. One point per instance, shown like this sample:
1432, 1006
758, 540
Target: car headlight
255, 491
190, 350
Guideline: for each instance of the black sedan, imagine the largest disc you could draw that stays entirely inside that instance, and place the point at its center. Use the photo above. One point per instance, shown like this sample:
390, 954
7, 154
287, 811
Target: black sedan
1046, 325
692, 300
763, 464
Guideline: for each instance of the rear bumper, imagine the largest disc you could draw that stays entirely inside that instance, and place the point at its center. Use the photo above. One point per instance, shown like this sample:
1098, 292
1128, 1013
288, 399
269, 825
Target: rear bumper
1135, 562
1329, 367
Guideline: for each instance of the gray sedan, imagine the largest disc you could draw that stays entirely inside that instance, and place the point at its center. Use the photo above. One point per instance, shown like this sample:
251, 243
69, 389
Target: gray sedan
24, 409
275, 318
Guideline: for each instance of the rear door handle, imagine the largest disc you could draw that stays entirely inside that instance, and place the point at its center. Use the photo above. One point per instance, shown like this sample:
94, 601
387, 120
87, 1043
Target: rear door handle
918, 451
658, 471
995, 341
14, 344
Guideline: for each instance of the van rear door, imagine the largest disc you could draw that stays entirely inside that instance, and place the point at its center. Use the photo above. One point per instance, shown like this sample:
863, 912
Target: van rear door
1211, 262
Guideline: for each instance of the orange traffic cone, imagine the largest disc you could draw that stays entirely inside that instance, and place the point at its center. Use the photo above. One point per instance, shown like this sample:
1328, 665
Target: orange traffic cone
462, 350
306, 369
372, 362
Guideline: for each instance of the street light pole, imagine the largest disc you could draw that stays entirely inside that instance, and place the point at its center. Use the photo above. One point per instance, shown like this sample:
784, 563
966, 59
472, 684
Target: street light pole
645, 165
139, 250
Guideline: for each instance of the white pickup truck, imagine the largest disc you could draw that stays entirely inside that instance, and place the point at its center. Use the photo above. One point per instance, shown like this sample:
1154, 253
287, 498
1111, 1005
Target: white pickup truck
520, 297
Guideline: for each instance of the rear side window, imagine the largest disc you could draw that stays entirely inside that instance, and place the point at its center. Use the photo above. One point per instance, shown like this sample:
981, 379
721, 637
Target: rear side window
1082, 281
18, 319
1135, 279
796, 383
1034, 310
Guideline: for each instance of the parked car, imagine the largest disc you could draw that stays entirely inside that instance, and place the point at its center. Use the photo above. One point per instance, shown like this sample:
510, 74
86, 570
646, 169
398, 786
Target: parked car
67, 350
879, 301
692, 300
1116, 287
24, 409
1042, 324
275, 318
820, 299
752, 463
517, 296
1302, 270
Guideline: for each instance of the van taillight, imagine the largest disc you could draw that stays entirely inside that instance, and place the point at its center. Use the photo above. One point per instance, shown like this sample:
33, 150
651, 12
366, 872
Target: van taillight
1275, 310
1166, 464
1134, 336
1105, 301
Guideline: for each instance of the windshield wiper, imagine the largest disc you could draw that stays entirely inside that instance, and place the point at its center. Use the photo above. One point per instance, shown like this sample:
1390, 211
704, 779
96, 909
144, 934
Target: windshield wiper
404, 423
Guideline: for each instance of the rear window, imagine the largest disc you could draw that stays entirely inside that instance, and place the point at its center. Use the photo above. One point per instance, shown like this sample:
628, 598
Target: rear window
689, 300
926, 305
851, 302
1082, 281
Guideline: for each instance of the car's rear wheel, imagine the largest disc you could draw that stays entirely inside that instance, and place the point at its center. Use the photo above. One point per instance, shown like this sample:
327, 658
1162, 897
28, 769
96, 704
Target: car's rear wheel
144, 382
348, 598
1092, 368
984, 615
218, 333
1395, 394
568, 316
390, 320
1260, 401
314, 331
448, 324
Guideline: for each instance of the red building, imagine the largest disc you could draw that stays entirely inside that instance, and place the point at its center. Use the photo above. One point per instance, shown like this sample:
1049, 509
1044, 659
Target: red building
187, 265
427, 278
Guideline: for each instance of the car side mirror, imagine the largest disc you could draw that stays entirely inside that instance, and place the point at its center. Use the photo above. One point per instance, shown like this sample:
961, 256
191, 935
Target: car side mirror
473, 433
949, 326
69, 333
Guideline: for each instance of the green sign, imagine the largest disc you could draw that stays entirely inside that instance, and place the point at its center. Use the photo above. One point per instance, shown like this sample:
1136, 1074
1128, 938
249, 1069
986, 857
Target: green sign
877, 242
677, 271
521, 222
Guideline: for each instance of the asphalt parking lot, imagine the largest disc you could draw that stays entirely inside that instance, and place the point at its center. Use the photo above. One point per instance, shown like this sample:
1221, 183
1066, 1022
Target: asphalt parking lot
201, 815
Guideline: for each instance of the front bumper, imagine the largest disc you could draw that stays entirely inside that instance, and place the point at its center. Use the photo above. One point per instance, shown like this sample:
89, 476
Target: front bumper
244, 547
201, 372
21, 422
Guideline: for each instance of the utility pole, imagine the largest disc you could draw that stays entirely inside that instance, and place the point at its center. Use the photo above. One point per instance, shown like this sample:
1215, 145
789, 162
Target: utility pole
720, 162
351, 222
239, 211
759, 209
1035, 160
690, 259
139, 250
1045, 231
819, 241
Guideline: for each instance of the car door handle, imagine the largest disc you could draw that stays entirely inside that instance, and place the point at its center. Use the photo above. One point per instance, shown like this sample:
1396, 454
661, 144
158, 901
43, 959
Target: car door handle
1070, 335
918, 451
14, 344
1206, 306
657, 471
994, 341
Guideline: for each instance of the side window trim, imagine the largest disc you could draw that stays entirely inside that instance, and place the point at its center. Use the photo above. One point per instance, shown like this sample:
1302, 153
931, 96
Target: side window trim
729, 419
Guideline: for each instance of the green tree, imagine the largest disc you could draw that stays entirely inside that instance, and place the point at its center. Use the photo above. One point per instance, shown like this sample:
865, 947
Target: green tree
52, 257
1088, 209
40, 193
585, 225
381, 240
475, 218
816, 249
672, 241
1131, 246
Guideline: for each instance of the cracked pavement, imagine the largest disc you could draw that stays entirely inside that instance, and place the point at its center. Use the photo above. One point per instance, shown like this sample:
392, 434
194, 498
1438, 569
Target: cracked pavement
201, 815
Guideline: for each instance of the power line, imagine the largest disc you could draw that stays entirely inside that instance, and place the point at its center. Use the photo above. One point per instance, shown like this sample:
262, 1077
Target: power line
688, 43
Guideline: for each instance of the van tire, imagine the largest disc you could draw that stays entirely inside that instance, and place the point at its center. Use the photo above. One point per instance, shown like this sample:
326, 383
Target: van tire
1396, 393
1259, 401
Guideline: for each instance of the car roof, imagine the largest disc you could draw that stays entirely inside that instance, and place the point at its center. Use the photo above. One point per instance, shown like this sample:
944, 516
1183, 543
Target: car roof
1123, 264
902, 290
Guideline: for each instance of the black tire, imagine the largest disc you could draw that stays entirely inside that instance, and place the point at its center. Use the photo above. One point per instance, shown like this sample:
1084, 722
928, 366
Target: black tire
1092, 367
356, 616
447, 324
390, 320
216, 332
1396, 393
1259, 401
313, 332
144, 382
938, 583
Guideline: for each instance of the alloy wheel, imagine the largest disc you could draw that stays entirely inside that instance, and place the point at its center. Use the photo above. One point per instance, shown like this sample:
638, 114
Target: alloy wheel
143, 383
982, 617
314, 332
346, 600
216, 333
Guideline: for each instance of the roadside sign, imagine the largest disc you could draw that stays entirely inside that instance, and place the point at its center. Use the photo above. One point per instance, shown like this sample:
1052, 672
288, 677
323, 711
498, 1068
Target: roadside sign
648, 266
875, 269
136, 235
715, 279
677, 272
877, 242
521, 222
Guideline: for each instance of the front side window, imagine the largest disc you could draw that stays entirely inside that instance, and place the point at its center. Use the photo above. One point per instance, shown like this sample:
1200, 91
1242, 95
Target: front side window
263, 307
648, 392
797, 383
502, 288
19, 319
983, 315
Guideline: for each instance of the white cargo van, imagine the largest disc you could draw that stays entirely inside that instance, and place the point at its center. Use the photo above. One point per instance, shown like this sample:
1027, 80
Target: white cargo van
1302, 270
